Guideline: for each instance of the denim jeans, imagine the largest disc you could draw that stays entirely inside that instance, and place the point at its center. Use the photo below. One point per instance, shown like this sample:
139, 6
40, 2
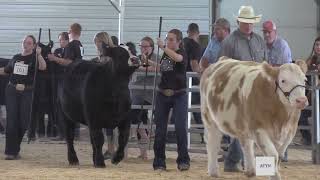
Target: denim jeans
179, 103
18, 105
234, 155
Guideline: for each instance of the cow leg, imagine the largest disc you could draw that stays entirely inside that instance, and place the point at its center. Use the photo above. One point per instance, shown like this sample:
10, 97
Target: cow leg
213, 139
248, 150
69, 131
282, 149
268, 149
124, 132
97, 140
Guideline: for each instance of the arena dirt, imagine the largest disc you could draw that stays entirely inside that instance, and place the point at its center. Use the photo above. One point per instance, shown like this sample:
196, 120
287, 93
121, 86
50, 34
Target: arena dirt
48, 161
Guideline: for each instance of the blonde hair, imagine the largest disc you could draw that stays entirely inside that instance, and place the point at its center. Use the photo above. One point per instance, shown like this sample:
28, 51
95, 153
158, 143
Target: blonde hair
105, 38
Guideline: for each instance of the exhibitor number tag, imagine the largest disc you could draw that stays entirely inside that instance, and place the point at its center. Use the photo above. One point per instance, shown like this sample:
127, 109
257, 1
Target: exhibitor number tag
20, 69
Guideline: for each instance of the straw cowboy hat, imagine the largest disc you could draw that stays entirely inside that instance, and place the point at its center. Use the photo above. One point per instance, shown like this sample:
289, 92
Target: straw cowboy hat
246, 15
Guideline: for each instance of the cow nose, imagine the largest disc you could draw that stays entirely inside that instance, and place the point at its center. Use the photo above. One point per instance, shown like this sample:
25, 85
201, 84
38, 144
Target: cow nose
302, 102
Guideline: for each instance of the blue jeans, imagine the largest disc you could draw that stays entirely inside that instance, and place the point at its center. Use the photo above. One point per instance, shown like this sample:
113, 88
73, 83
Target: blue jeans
18, 105
179, 103
234, 155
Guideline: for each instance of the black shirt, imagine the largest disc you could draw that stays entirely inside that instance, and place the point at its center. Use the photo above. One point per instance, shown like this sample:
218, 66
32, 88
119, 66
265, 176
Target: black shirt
193, 51
59, 52
57, 68
73, 50
173, 74
19, 77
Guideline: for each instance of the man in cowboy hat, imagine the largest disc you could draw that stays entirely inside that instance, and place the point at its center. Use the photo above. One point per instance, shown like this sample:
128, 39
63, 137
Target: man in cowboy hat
244, 45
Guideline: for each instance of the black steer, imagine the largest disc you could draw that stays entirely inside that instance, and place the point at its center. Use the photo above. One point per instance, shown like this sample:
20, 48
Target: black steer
97, 95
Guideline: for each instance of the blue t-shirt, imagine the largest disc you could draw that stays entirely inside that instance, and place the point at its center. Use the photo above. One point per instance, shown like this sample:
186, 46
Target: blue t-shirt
212, 50
279, 53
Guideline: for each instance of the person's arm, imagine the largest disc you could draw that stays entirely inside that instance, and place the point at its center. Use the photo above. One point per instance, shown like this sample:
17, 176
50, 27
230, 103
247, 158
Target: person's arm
195, 58
195, 66
226, 48
171, 53
9, 67
41, 61
204, 63
286, 53
61, 61
2, 71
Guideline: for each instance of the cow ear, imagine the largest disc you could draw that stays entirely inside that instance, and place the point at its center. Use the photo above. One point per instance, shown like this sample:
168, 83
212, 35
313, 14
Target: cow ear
270, 71
302, 64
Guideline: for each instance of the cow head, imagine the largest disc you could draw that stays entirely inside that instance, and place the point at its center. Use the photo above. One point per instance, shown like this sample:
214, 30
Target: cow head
120, 60
290, 84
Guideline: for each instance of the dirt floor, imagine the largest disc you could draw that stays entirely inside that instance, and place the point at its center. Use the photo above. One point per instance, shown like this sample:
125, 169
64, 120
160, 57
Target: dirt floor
46, 160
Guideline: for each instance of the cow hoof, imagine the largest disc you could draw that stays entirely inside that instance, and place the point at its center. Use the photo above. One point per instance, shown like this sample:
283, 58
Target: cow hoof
116, 159
215, 175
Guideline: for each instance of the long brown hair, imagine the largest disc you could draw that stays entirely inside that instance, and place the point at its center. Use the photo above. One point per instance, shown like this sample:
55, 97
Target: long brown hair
179, 36
312, 59
151, 42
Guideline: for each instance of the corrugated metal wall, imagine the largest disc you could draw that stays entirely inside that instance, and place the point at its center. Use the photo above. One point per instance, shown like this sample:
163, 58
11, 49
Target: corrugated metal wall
296, 20
21, 17
142, 17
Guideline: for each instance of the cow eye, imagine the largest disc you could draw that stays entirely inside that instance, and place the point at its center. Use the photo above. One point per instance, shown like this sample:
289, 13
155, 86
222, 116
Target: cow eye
283, 81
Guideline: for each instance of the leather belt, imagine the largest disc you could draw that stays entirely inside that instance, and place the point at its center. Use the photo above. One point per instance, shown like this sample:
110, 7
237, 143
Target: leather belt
171, 92
26, 87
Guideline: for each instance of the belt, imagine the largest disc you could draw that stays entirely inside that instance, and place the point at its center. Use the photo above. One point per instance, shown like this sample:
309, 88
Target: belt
171, 92
26, 87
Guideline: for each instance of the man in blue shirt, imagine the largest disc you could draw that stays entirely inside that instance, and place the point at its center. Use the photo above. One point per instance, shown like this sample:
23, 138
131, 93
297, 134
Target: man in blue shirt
221, 29
278, 50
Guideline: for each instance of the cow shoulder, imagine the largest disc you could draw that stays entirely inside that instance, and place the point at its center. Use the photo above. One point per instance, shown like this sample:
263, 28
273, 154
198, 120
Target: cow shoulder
264, 108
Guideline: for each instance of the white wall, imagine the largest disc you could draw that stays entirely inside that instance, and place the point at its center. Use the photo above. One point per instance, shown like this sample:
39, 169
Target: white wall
296, 20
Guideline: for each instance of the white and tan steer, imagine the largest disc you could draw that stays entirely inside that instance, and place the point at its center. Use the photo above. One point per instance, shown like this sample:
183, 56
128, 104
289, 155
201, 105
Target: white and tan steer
254, 102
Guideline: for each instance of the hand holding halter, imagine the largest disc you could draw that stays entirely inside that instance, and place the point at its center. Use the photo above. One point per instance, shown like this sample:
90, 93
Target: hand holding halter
145, 60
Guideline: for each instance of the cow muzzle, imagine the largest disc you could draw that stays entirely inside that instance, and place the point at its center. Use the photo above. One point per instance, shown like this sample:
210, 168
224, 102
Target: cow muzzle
302, 102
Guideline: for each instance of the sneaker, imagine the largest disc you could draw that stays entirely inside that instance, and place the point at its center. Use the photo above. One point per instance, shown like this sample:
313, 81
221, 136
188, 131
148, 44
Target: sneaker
107, 155
12, 157
183, 166
284, 159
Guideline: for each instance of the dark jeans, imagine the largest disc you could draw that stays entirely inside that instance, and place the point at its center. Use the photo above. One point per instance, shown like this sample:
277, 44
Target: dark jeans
234, 155
18, 105
195, 100
306, 134
109, 132
179, 103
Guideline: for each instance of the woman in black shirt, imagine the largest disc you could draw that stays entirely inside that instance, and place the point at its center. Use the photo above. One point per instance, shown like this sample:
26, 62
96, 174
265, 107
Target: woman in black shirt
21, 71
172, 94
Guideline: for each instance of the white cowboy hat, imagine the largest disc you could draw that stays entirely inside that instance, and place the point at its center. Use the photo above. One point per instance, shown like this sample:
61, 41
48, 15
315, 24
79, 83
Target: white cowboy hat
246, 15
